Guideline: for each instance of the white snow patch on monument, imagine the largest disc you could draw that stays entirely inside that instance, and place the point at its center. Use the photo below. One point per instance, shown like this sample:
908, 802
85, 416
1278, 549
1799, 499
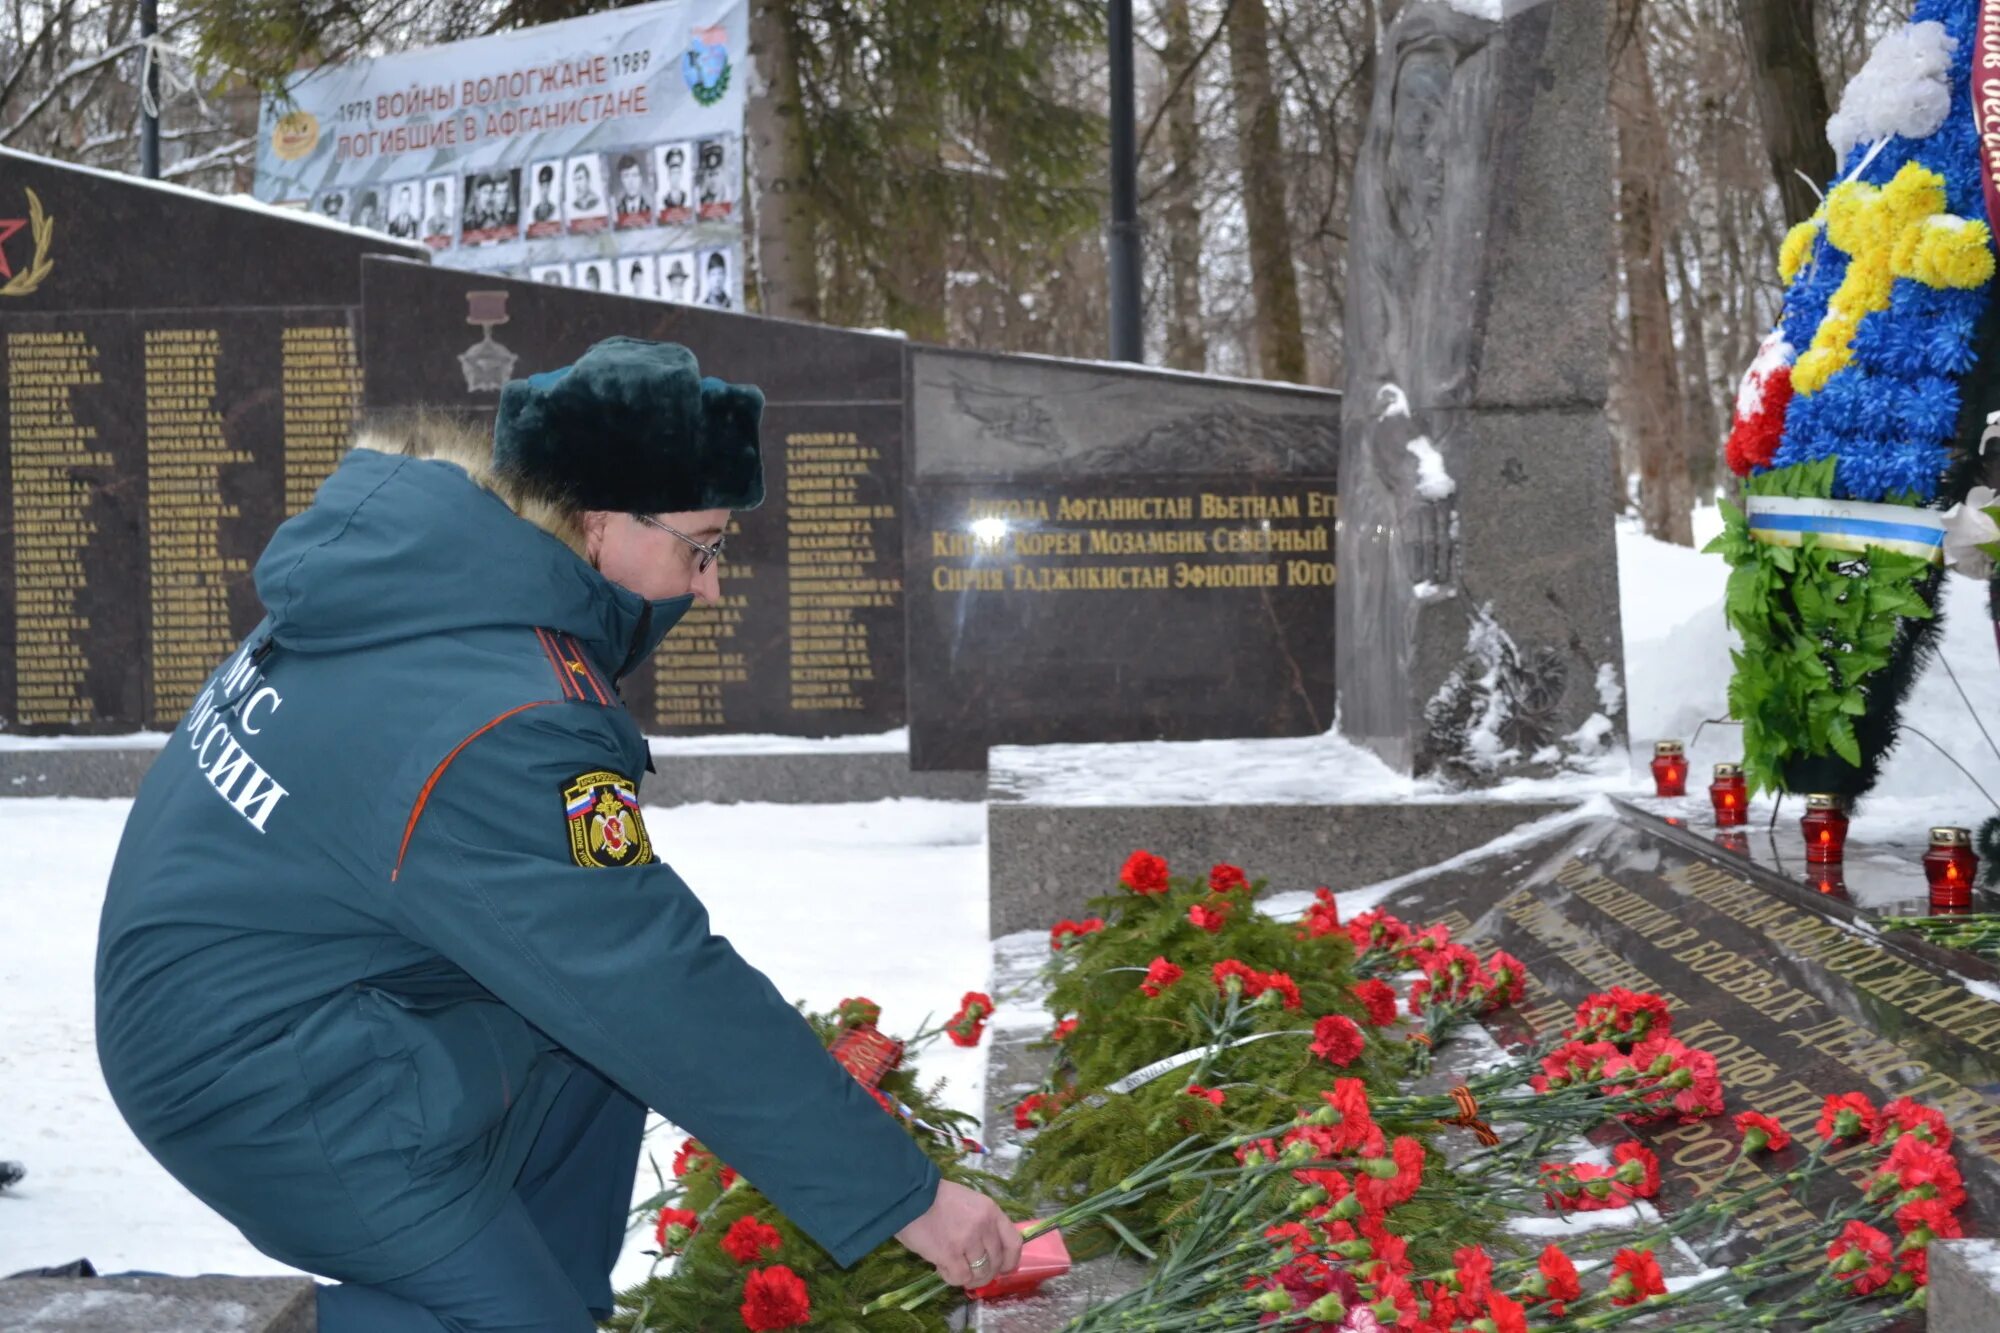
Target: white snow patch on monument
1433, 482
1903, 89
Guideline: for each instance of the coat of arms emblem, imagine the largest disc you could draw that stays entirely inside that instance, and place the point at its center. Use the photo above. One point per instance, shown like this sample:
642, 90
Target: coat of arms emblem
602, 811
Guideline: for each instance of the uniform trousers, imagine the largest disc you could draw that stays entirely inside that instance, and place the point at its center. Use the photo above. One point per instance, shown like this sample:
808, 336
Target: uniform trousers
543, 1264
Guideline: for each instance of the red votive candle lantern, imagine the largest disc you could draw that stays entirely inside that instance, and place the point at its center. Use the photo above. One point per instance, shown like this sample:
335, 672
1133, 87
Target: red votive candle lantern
1825, 827
1729, 796
1670, 769
1950, 866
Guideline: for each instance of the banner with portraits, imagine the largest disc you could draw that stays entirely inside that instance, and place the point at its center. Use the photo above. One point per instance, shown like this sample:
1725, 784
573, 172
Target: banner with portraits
602, 153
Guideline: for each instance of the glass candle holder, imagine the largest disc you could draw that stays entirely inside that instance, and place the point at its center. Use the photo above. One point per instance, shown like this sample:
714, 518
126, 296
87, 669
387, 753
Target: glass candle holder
1729, 796
1825, 827
1950, 867
1670, 769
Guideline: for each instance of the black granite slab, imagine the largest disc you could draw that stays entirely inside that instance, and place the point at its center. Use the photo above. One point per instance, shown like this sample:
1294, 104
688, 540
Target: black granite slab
1104, 553
1787, 986
809, 638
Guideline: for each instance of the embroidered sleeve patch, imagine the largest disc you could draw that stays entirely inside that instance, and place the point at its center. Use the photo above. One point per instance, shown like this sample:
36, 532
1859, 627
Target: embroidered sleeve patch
602, 811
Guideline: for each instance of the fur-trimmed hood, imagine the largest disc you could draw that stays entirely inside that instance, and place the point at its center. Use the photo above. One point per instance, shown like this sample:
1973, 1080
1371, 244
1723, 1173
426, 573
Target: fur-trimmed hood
412, 536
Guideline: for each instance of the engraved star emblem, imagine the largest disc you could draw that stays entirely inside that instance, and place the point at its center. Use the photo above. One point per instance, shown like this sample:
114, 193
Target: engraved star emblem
576, 666
8, 226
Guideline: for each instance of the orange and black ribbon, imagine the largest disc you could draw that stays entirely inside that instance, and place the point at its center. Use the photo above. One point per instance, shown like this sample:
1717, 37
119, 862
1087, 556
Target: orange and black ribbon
1468, 1117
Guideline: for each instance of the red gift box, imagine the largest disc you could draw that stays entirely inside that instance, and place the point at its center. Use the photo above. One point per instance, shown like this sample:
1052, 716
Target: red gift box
1042, 1258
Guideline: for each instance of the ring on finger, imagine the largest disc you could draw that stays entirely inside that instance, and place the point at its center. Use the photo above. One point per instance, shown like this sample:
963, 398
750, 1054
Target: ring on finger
978, 1263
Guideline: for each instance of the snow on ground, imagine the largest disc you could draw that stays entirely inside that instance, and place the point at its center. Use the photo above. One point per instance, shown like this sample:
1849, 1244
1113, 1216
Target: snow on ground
886, 900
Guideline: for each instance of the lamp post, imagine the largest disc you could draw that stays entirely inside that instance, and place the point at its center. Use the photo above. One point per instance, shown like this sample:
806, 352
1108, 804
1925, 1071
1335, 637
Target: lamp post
1126, 344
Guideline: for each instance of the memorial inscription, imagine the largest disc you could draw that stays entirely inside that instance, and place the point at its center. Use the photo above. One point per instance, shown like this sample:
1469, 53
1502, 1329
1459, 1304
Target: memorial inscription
1202, 512
151, 455
1794, 997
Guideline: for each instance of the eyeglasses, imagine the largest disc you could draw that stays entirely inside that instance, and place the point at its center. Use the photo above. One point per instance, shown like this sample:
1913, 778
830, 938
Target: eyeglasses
709, 554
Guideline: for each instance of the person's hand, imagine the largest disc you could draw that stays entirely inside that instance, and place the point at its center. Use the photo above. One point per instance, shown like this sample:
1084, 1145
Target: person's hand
965, 1236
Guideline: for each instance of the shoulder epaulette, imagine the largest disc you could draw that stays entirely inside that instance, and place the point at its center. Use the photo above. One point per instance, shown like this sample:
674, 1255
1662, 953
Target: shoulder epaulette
579, 679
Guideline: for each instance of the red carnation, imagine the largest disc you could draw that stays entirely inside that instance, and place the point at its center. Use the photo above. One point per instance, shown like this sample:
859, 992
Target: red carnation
1759, 1132
1337, 1041
1638, 1168
1223, 878
1635, 1277
1144, 873
1210, 919
748, 1239
969, 1023
1861, 1257
1510, 976
1062, 932
1377, 930
1351, 1118
1322, 918
1904, 1116
1408, 1155
690, 1156
859, 1011
1212, 1095
1927, 1220
1475, 1276
774, 1298
1379, 998
1919, 1170
1037, 1109
1847, 1116
1285, 987
1063, 1030
1262, 1149
1676, 1078
1582, 1187
1558, 1283
1241, 972
1160, 974
675, 1228
1622, 1016
1506, 1313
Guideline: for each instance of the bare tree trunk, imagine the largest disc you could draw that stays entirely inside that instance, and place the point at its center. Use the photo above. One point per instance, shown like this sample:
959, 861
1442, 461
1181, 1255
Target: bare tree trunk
787, 281
1784, 69
1651, 368
1698, 428
1187, 340
1280, 337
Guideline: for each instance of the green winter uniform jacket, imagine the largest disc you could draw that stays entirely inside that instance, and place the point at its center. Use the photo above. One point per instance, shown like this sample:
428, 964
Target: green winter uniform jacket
388, 883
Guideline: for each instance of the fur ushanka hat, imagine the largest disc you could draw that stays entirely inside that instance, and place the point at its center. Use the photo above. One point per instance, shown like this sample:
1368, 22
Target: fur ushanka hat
633, 427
